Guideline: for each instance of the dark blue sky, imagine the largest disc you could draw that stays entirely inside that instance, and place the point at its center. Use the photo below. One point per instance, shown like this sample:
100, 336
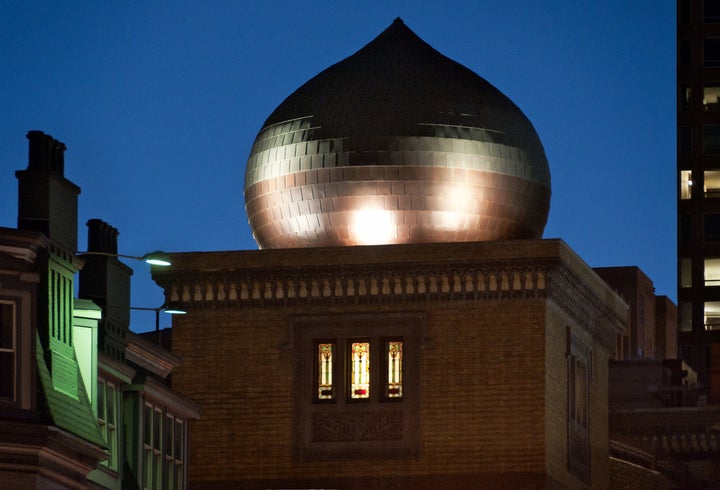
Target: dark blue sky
159, 102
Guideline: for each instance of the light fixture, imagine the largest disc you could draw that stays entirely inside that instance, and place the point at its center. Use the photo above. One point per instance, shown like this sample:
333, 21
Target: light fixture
174, 311
154, 258
157, 258
166, 308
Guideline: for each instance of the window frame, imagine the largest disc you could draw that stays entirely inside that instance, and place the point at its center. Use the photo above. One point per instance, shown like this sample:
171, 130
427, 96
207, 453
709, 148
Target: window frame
109, 428
334, 371
385, 370
11, 351
579, 447
372, 385
350, 428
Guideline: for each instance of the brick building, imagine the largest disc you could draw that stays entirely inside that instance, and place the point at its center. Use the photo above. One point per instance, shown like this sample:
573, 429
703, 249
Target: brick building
404, 326
84, 402
505, 349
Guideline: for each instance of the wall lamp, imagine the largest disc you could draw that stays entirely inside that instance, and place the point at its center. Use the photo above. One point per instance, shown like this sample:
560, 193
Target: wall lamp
153, 258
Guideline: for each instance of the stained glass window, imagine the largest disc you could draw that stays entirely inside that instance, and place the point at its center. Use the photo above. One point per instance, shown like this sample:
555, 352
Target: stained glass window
325, 371
393, 387
360, 370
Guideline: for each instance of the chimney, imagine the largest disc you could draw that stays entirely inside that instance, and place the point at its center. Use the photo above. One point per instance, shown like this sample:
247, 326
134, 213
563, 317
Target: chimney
105, 280
47, 201
102, 237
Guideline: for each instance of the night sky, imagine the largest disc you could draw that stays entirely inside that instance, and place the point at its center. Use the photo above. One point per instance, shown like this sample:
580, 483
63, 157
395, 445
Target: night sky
158, 103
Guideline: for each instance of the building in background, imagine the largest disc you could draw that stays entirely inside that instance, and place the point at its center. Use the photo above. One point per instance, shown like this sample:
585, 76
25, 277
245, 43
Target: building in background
459, 351
652, 328
84, 402
698, 174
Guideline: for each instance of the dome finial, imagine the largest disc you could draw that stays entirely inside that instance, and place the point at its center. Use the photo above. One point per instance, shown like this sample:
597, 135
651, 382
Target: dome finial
398, 20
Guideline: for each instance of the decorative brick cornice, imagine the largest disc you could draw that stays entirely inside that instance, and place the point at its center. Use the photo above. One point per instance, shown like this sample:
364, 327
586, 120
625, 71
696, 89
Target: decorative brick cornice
691, 432
383, 283
601, 318
400, 273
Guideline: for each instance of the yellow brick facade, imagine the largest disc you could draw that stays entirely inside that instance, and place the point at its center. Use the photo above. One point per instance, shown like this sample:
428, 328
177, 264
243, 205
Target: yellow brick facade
491, 370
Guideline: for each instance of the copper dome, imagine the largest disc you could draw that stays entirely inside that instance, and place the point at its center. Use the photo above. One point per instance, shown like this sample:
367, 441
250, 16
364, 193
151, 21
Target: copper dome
396, 144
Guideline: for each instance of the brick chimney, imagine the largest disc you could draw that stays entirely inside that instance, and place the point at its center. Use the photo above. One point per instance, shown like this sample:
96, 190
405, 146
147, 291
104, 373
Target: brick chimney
106, 281
47, 201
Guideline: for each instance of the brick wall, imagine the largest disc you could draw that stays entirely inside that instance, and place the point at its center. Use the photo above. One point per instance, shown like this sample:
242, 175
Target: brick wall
482, 374
492, 366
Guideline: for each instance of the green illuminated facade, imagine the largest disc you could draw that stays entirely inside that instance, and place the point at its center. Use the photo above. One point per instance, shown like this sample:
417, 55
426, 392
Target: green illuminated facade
84, 402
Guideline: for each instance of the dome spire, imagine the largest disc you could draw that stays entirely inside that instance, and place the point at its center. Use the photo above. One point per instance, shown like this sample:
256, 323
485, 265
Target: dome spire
395, 144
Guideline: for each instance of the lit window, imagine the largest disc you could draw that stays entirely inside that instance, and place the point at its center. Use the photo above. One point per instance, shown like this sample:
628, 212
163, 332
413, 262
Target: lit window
712, 183
712, 315
325, 362
357, 384
686, 273
685, 316
393, 386
7, 351
686, 184
685, 96
711, 271
360, 370
360, 378
711, 97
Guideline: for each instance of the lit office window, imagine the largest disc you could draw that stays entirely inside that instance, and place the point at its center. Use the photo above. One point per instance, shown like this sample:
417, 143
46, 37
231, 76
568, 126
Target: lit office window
686, 272
684, 97
711, 97
711, 271
686, 184
712, 315
711, 184
685, 316
360, 370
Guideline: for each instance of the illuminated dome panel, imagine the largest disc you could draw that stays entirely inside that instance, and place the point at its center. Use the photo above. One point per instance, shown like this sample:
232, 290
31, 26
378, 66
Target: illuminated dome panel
396, 144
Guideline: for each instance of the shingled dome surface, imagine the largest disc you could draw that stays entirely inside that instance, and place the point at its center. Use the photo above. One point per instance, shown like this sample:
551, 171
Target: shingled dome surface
396, 144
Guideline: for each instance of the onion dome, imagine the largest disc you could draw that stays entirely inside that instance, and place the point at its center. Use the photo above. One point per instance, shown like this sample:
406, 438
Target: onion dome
396, 144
